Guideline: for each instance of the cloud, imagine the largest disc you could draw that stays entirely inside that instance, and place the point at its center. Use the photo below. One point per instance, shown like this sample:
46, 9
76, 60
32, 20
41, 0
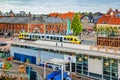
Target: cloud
47, 6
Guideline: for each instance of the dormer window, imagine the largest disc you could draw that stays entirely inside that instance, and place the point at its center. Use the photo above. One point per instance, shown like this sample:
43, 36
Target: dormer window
104, 22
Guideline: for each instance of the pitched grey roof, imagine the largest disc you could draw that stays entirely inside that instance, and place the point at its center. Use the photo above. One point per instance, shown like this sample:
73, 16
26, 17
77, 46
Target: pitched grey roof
48, 20
53, 20
31, 20
15, 20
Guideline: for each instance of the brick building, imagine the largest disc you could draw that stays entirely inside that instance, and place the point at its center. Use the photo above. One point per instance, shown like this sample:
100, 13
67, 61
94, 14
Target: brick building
14, 24
49, 25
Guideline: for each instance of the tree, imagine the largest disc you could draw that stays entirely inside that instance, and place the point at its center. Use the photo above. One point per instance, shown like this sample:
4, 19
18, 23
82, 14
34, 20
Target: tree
95, 28
76, 25
6, 13
0, 12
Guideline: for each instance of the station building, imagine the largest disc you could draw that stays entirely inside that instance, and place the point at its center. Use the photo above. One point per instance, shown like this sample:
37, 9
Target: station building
85, 61
41, 24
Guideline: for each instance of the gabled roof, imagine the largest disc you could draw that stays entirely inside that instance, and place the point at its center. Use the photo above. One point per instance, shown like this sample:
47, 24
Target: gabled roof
90, 17
68, 15
107, 19
15, 20
104, 19
29, 19
53, 20
47, 20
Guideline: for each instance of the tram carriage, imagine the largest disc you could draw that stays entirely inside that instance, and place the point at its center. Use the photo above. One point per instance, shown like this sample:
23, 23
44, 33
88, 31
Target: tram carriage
59, 38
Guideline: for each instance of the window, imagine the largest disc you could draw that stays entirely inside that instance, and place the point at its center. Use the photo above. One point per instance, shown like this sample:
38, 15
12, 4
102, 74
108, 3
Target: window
64, 38
51, 37
75, 39
71, 39
39, 37
46, 32
47, 37
46, 26
50, 26
57, 38
54, 38
42, 36
35, 36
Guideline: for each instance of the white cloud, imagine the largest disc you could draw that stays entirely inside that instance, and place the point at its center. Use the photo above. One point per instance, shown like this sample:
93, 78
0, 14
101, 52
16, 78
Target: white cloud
47, 6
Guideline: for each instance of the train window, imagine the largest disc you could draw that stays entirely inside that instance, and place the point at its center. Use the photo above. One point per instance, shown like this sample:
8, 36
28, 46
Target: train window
32, 36
35, 36
42, 36
51, 38
68, 39
22, 34
71, 39
57, 38
64, 38
54, 38
47, 37
75, 39
27, 35
39, 37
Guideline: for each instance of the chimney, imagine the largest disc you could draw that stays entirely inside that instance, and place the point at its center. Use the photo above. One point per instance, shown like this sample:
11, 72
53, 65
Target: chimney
116, 10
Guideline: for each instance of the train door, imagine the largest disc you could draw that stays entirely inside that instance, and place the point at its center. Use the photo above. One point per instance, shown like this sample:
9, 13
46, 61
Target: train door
61, 39
30, 37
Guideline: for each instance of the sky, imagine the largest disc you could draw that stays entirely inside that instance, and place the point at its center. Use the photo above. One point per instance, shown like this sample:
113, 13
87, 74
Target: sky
61, 6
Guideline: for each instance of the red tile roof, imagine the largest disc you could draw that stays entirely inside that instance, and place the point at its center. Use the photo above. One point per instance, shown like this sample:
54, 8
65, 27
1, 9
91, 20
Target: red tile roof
115, 21
107, 19
104, 19
68, 15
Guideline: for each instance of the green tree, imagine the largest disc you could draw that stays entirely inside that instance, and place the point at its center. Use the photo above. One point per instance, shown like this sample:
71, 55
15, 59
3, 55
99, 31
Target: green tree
0, 12
76, 24
95, 28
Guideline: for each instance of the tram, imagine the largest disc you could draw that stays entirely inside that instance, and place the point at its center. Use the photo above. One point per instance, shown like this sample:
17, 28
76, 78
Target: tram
50, 37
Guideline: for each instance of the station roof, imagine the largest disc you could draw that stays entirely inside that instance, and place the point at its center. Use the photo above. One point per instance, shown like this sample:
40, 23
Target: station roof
57, 61
72, 48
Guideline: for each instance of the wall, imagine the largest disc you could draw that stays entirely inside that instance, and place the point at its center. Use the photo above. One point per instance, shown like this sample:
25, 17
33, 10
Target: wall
95, 66
25, 52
